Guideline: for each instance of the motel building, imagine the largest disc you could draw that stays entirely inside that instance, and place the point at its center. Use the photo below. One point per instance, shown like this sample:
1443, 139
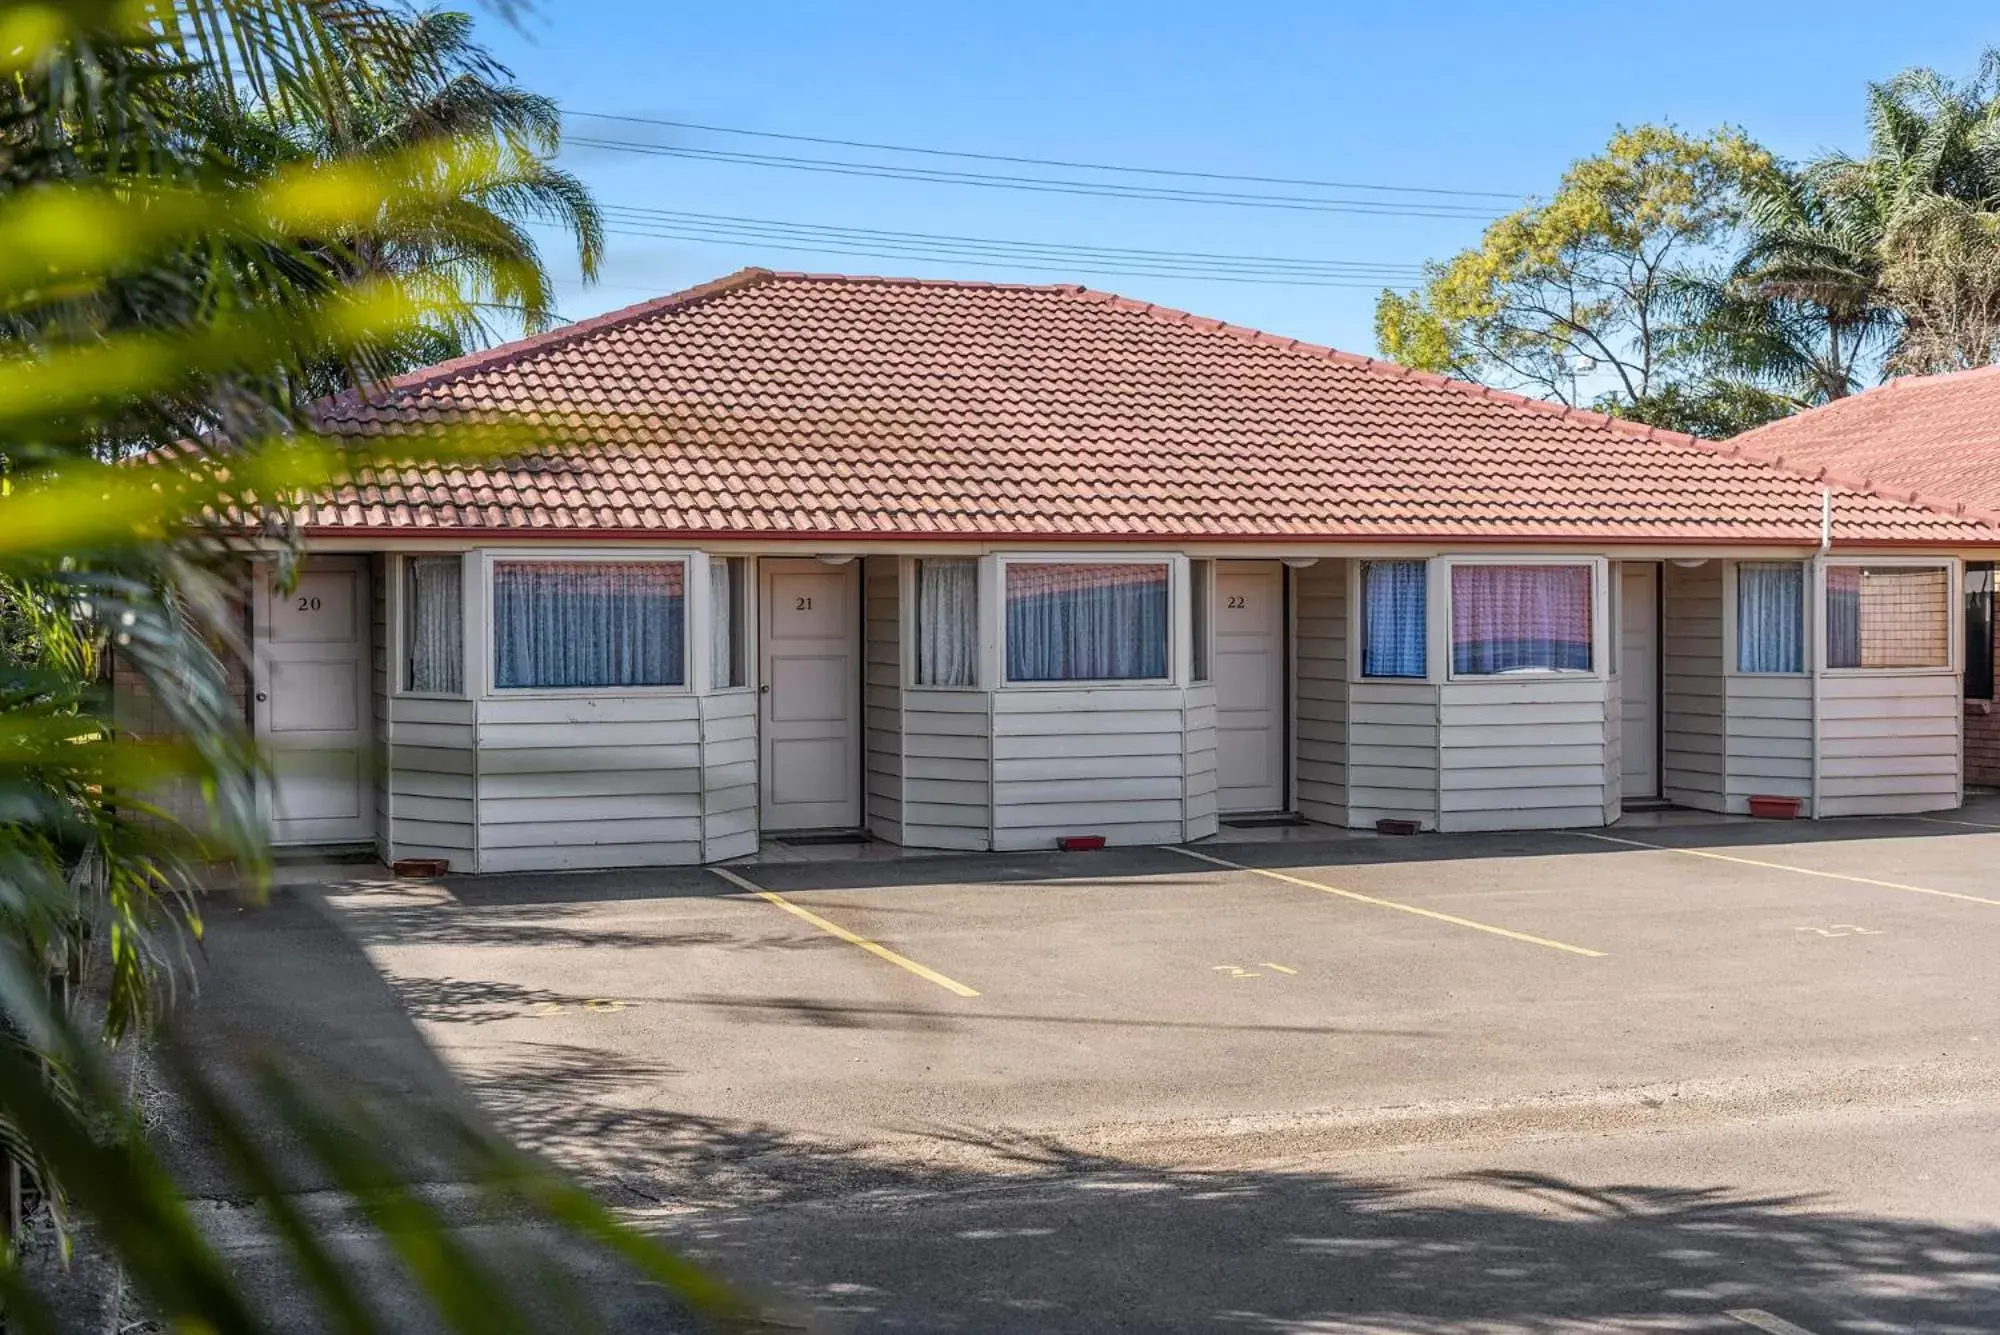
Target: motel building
972, 566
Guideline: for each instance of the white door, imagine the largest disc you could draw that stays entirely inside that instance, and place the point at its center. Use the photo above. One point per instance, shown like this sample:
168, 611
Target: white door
1249, 612
311, 703
811, 695
1639, 668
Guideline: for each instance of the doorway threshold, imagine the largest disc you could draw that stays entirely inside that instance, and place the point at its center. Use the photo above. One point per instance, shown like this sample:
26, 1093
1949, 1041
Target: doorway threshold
821, 838
1270, 821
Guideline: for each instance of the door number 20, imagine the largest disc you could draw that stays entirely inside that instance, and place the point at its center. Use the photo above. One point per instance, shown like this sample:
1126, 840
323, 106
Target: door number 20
308, 604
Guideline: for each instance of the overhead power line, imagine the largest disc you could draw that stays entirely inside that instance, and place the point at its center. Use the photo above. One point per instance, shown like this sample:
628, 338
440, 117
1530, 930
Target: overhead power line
1048, 185
1184, 173
1074, 255
798, 245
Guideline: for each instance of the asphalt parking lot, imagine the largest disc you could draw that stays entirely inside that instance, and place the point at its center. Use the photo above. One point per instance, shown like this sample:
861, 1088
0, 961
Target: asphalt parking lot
782, 1033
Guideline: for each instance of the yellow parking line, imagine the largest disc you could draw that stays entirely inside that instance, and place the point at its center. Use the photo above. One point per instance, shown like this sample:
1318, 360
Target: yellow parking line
835, 929
1781, 866
1391, 904
1946, 820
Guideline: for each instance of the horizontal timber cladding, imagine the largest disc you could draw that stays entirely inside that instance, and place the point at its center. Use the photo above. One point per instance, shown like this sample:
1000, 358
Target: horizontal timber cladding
1392, 752
1614, 754
431, 788
1693, 699
1111, 761
1768, 738
1320, 693
1890, 742
882, 688
1502, 773
947, 768
1201, 793
728, 774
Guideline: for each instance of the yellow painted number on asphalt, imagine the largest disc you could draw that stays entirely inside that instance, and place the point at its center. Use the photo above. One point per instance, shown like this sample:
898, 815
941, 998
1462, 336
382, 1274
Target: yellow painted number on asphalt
1238, 971
1840, 929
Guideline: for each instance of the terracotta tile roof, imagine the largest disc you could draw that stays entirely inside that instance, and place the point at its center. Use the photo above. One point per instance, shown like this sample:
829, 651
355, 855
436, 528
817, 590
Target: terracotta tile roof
796, 405
1937, 436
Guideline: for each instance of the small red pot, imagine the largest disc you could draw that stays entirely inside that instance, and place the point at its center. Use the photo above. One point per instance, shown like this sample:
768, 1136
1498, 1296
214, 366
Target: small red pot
1776, 808
1080, 843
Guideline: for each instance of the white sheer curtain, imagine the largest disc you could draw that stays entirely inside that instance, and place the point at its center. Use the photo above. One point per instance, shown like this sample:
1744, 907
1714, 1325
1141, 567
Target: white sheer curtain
1770, 616
1076, 622
947, 621
723, 644
589, 623
434, 625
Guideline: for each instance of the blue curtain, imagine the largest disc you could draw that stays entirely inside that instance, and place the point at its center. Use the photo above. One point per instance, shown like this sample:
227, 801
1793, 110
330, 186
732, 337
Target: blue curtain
1393, 618
1843, 616
589, 623
1770, 616
1069, 622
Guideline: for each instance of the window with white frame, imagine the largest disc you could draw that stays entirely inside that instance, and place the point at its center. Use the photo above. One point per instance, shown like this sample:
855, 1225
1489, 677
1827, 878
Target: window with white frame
728, 621
1394, 618
1770, 616
1888, 616
1508, 619
1087, 621
434, 625
947, 629
1201, 584
571, 624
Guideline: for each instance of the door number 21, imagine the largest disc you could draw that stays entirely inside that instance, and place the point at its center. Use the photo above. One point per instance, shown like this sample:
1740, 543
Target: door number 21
802, 604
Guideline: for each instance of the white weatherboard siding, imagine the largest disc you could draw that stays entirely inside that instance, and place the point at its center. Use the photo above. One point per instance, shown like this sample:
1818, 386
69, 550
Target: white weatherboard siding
379, 670
1392, 752
948, 768
433, 764
1200, 815
1524, 754
1614, 755
1890, 742
1769, 738
1092, 760
590, 781
1692, 702
728, 774
1320, 696
882, 687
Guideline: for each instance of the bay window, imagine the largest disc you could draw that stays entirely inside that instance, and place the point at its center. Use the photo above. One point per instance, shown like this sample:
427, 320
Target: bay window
568, 624
433, 625
1509, 619
1770, 616
728, 622
1080, 621
1394, 618
1888, 617
947, 621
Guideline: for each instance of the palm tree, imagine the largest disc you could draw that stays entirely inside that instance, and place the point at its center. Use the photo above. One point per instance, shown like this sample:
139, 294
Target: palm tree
433, 87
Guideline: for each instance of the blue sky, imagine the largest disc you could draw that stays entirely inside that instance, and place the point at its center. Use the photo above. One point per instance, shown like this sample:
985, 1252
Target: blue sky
1486, 98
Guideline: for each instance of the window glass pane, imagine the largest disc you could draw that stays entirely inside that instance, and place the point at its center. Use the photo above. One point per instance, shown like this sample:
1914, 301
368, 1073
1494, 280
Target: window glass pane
1201, 573
1979, 631
1887, 616
1393, 618
1068, 622
433, 625
589, 623
947, 622
1520, 619
1770, 616
727, 622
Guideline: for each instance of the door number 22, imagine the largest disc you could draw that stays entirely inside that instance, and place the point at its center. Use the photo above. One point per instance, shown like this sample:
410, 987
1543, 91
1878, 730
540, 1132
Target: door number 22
1238, 600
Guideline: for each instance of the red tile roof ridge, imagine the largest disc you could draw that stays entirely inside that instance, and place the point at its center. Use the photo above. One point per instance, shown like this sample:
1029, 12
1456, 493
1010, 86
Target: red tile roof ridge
1728, 449
1899, 385
880, 280
501, 354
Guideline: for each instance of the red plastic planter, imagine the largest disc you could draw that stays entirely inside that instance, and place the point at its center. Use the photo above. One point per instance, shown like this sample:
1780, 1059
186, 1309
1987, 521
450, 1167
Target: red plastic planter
419, 868
1775, 808
1397, 825
1080, 843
